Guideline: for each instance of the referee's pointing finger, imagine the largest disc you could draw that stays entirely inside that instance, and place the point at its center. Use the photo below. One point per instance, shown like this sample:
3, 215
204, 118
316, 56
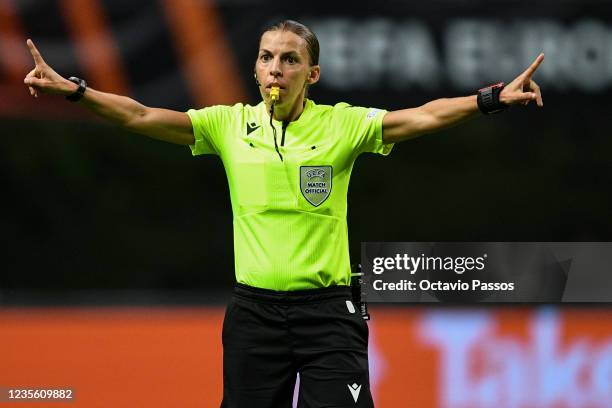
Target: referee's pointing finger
532, 68
38, 59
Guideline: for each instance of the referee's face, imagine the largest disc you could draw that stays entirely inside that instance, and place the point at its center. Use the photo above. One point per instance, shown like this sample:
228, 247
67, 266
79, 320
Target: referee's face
283, 60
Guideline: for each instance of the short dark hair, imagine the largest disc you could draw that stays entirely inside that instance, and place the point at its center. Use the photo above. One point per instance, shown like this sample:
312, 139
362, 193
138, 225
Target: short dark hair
312, 42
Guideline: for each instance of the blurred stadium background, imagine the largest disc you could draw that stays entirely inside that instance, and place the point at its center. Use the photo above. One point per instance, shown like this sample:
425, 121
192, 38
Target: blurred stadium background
118, 249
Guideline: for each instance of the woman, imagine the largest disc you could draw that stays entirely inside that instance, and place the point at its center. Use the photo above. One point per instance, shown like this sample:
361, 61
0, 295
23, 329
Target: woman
288, 162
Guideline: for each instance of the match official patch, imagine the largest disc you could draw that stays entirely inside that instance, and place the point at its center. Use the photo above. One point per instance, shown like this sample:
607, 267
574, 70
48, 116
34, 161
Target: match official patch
316, 183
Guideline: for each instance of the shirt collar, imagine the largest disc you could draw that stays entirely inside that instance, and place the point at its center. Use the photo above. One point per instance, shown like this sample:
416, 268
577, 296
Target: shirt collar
304, 116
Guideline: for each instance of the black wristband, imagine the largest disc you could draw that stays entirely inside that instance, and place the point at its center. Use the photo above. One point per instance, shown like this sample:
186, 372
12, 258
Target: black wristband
488, 99
78, 94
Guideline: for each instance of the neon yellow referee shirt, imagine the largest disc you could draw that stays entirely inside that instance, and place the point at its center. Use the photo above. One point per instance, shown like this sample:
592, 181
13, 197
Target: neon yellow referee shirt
290, 230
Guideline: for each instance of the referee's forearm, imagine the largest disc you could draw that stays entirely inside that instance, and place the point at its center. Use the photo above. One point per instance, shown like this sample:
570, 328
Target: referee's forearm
447, 112
120, 110
436, 115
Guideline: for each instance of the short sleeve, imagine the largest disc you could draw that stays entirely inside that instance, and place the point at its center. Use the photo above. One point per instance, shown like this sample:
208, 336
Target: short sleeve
362, 127
209, 128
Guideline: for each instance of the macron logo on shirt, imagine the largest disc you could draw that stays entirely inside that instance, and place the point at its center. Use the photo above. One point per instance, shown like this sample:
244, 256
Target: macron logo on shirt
251, 127
354, 389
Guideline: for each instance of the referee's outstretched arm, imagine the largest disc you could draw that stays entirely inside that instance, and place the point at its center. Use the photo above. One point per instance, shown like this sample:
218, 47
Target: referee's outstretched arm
442, 113
163, 124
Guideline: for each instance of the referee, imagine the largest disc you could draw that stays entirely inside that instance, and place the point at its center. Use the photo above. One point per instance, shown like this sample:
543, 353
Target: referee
288, 163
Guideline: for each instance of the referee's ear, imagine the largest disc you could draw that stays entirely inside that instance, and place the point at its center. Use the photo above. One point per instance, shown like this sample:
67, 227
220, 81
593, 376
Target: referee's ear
313, 75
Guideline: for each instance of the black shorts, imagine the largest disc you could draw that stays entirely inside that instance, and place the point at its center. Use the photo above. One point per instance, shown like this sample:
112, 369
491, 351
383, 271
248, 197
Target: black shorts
269, 337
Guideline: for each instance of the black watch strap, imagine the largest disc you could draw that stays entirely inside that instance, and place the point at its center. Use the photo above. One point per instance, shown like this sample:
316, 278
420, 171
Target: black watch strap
488, 99
78, 94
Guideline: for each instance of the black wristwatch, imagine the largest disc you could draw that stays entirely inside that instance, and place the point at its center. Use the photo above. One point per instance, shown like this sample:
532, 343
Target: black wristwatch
78, 94
488, 99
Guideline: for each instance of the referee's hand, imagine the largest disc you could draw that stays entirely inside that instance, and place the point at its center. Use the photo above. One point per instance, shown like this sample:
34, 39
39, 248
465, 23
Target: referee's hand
523, 89
44, 79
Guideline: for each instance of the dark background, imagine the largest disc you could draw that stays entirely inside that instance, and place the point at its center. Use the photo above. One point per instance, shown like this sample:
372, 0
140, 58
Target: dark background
86, 205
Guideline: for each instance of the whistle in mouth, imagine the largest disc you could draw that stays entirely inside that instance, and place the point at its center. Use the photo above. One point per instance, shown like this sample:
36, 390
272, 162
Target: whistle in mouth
274, 93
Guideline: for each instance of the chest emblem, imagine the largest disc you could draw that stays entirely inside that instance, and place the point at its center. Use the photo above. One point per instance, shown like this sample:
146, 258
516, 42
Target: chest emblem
316, 183
251, 127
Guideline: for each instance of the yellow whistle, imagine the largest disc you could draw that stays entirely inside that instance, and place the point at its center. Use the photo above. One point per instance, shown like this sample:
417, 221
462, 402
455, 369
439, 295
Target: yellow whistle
274, 93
